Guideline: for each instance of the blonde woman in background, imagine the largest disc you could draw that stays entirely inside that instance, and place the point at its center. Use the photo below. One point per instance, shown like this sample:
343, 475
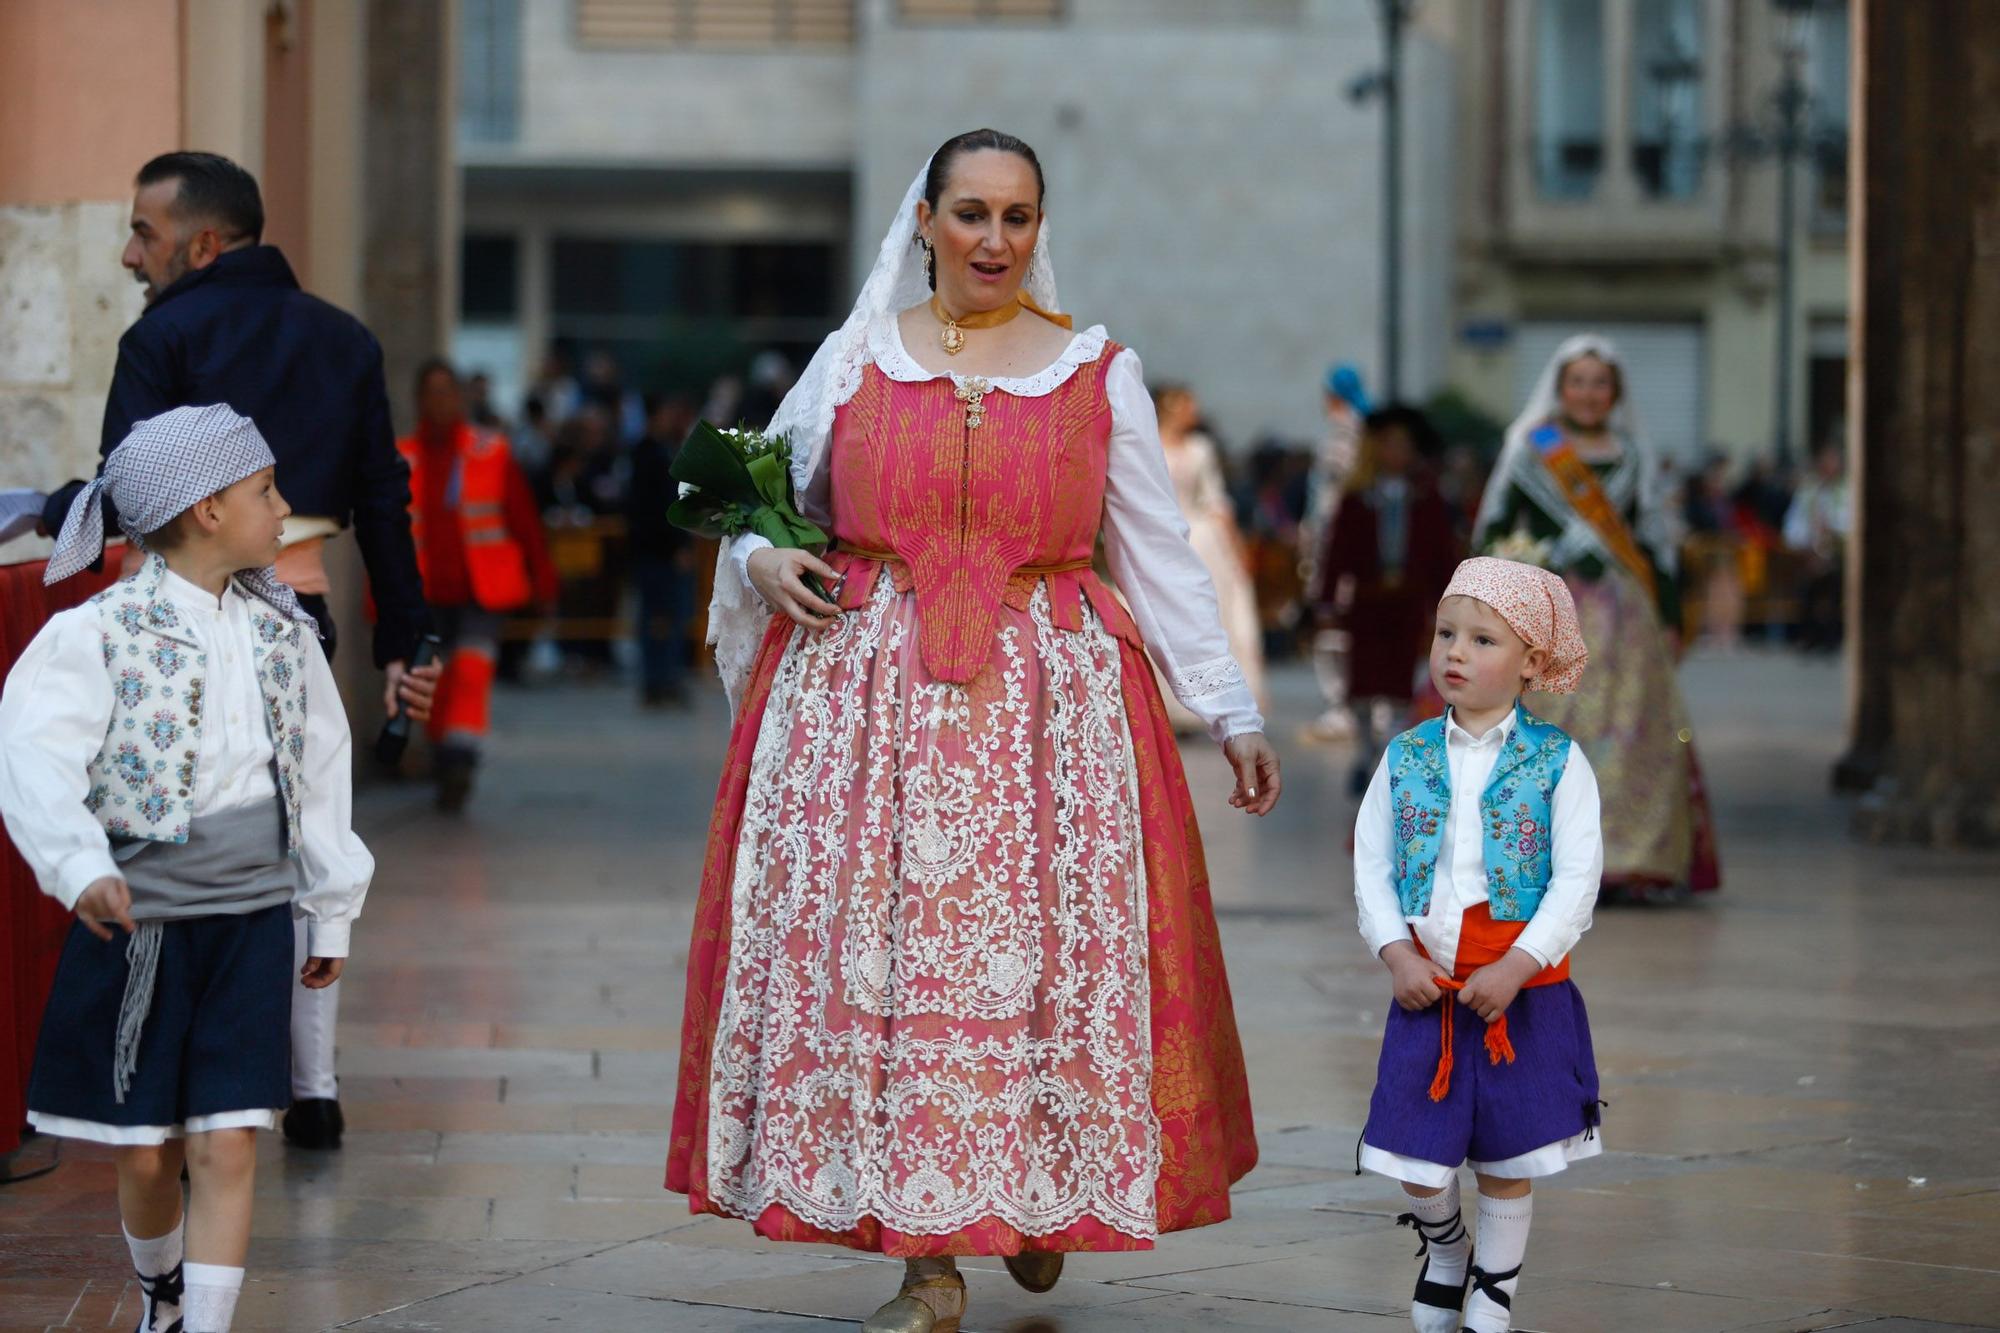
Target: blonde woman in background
1196, 470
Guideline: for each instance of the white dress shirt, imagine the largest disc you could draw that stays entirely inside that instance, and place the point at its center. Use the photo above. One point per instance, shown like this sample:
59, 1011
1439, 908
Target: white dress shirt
57, 706
1576, 856
1162, 579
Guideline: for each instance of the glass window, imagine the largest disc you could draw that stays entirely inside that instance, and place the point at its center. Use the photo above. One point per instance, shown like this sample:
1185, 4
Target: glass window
1827, 59
678, 313
1666, 97
489, 71
1569, 97
487, 278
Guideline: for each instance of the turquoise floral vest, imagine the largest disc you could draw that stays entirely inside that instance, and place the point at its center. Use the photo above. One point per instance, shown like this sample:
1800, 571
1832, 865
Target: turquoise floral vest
142, 780
1514, 808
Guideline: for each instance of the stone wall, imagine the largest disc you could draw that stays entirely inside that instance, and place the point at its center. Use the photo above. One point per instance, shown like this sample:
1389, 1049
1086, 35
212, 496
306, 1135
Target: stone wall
66, 301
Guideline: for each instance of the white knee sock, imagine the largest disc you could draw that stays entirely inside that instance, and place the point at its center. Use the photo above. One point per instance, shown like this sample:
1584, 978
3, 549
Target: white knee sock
155, 1260
1447, 1247
211, 1297
1503, 1243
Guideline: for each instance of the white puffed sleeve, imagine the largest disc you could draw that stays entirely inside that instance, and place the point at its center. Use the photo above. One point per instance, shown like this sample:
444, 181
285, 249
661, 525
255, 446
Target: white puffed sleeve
1164, 582
54, 715
337, 866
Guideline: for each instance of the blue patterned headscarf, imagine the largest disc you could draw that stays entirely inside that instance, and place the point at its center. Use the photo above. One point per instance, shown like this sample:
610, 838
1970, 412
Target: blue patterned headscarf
163, 468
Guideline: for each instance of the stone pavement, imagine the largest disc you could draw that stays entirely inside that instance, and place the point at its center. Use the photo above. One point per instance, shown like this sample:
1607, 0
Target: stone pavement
1801, 1075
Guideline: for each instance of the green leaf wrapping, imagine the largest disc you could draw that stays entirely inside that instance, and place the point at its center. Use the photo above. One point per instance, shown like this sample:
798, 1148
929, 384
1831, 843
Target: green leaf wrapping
742, 484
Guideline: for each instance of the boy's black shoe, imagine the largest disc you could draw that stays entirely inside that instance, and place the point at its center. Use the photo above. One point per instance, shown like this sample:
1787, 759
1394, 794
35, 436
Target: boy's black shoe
316, 1123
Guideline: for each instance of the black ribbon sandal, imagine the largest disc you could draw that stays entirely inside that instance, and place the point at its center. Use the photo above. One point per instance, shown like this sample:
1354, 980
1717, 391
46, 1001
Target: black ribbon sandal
1436, 1294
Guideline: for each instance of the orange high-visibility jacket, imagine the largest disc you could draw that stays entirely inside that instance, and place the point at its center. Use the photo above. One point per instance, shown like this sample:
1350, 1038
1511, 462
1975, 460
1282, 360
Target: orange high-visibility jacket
495, 564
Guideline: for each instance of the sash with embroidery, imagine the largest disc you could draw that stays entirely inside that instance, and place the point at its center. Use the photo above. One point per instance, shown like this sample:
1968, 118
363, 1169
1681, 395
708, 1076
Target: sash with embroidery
1586, 494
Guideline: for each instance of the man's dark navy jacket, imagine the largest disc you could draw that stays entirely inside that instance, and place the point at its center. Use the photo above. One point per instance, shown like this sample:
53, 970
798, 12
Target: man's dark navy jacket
310, 375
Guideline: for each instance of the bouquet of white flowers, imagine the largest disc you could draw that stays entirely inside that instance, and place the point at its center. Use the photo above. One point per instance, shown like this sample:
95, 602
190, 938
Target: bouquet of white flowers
738, 481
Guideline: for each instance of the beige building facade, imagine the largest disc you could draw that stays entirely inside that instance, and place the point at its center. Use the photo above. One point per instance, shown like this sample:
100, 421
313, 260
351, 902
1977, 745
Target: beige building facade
681, 184
1617, 175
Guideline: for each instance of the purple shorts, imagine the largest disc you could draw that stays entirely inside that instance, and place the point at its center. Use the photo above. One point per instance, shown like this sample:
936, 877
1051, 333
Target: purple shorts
1492, 1112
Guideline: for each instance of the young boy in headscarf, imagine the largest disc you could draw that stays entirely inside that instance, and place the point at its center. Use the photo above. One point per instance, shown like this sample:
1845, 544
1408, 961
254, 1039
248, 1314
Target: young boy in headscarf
1476, 861
174, 768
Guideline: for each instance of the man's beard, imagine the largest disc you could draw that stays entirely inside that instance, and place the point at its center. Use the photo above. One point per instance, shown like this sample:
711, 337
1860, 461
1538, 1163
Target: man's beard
177, 268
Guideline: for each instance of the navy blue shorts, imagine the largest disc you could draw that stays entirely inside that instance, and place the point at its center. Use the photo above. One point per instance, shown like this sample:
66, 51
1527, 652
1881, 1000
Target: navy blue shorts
1491, 1113
217, 1040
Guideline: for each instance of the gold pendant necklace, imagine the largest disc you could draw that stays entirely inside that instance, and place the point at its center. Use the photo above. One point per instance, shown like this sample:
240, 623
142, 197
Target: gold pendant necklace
952, 339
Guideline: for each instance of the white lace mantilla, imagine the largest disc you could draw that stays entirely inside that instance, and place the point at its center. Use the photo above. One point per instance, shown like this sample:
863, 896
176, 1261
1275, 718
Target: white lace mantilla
937, 1009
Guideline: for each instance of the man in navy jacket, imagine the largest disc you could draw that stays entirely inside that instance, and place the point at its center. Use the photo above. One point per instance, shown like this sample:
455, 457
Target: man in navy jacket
225, 322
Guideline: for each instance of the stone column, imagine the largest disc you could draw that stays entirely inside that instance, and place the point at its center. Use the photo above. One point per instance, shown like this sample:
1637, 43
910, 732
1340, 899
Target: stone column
1925, 561
409, 279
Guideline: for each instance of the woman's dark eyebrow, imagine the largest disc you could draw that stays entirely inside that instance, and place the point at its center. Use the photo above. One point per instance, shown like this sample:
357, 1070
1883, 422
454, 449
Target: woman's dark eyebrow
981, 203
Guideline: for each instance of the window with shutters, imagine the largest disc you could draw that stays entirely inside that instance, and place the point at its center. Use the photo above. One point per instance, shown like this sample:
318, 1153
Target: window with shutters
664, 24
981, 11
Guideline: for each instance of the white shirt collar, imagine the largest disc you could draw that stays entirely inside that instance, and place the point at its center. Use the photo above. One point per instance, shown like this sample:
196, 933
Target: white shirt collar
191, 598
1500, 730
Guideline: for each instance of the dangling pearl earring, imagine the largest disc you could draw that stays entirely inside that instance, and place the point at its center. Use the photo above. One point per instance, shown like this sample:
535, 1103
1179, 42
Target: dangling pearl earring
930, 264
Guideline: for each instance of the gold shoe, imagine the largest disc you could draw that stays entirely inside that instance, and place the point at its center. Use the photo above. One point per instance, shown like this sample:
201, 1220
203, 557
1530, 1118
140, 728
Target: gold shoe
911, 1313
1036, 1270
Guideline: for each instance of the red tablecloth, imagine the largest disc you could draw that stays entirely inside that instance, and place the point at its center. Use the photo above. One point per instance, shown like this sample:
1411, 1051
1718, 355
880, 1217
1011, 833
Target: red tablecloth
32, 924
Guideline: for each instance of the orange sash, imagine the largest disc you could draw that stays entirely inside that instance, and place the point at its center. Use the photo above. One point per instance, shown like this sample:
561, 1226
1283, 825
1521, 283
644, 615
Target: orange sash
1582, 489
1482, 940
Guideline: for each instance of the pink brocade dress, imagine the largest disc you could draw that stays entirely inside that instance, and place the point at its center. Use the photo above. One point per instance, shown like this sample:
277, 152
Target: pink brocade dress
955, 985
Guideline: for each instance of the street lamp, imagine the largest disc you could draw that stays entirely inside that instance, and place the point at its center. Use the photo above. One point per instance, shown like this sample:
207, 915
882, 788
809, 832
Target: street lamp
1387, 83
1786, 139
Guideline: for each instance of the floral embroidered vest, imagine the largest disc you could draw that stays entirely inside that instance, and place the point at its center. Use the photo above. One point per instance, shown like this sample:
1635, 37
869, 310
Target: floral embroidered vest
142, 780
978, 494
1514, 809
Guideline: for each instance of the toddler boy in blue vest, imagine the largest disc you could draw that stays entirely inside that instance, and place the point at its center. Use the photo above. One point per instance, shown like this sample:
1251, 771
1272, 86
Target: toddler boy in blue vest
174, 768
1477, 855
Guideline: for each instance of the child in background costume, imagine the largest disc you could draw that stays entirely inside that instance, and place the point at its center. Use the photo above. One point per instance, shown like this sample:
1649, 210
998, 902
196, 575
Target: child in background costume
174, 763
1476, 863
1388, 555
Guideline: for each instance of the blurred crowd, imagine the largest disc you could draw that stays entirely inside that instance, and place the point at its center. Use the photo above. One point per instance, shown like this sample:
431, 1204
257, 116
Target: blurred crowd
1760, 546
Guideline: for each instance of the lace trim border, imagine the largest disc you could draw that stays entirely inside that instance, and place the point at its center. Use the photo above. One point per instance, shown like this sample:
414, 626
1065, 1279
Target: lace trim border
885, 346
1205, 680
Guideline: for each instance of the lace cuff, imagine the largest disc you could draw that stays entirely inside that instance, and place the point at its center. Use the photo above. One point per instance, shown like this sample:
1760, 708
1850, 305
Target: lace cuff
1205, 680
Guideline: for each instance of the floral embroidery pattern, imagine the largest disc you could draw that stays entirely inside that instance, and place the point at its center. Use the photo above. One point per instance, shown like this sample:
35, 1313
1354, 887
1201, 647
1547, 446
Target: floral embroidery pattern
160, 614
937, 1000
130, 689
1514, 813
94, 800
131, 615
168, 658
156, 806
164, 731
1419, 791
269, 628
131, 766
280, 669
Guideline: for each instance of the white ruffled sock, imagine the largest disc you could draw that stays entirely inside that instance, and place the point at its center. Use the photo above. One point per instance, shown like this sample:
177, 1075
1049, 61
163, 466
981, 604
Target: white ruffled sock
1447, 1249
157, 1262
1503, 1244
211, 1297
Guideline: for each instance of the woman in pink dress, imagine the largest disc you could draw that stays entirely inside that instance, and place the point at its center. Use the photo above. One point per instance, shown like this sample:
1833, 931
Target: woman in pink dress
955, 986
